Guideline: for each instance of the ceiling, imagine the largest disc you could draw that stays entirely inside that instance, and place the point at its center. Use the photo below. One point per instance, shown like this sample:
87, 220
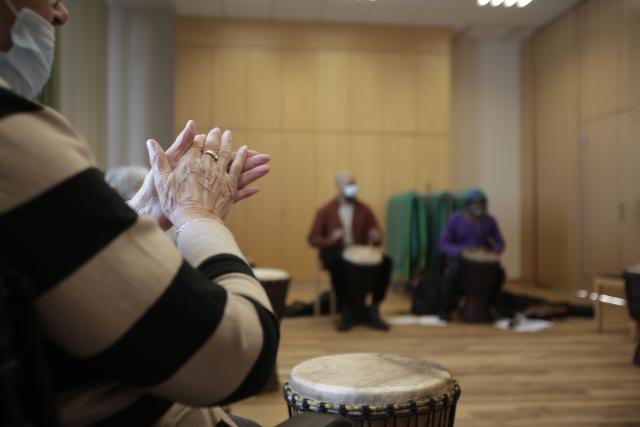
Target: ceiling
461, 15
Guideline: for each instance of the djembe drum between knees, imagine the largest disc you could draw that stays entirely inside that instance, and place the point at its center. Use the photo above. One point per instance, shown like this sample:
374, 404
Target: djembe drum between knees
362, 266
374, 389
480, 276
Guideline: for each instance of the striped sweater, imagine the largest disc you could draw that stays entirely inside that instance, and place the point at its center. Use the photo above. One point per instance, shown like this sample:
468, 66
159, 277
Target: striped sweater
132, 325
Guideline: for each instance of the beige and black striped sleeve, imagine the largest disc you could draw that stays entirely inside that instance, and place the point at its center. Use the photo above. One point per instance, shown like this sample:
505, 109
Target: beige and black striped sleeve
113, 293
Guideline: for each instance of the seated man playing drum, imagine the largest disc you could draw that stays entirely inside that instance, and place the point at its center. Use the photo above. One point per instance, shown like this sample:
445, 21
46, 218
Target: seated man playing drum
469, 232
340, 225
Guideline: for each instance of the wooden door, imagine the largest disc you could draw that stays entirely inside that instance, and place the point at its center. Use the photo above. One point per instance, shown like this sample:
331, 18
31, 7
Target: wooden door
604, 210
556, 169
629, 160
630, 152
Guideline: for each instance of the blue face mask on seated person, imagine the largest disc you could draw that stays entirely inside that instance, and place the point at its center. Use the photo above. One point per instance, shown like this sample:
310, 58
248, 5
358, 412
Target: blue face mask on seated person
477, 211
350, 191
27, 65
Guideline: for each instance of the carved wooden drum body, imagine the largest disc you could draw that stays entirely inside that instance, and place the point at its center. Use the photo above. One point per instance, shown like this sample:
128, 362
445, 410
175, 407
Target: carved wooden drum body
480, 274
362, 268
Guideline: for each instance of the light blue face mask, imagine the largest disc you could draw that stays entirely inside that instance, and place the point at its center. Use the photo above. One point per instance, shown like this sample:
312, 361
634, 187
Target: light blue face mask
27, 65
350, 191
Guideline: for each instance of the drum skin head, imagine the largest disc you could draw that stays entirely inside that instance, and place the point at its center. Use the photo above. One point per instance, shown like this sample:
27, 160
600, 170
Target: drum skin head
268, 274
362, 255
481, 256
368, 378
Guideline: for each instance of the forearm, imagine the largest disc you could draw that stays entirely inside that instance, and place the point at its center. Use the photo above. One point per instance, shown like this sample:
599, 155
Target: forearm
320, 242
450, 249
209, 245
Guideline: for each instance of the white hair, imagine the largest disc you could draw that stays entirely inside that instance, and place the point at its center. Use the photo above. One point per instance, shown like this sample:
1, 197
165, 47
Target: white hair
343, 177
126, 180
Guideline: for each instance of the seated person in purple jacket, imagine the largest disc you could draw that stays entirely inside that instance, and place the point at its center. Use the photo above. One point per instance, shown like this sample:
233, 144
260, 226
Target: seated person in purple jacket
472, 228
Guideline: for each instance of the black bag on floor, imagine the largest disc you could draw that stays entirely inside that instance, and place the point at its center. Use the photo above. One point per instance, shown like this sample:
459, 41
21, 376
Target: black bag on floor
426, 296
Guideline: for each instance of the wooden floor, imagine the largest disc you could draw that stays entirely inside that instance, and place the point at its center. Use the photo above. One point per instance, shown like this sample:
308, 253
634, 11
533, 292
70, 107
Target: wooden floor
568, 375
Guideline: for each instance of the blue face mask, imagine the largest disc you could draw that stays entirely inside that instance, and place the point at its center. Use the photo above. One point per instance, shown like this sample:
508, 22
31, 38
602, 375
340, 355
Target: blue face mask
27, 65
350, 191
477, 211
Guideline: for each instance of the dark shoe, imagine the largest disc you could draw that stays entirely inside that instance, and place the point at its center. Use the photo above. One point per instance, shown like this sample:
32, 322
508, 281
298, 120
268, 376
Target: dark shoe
344, 324
379, 325
346, 321
375, 321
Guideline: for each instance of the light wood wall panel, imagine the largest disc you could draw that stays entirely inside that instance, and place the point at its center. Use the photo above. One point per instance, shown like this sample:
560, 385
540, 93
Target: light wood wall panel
603, 182
434, 87
528, 164
196, 63
319, 99
367, 79
610, 101
556, 129
586, 142
629, 158
299, 92
265, 81
332, 98
605, 55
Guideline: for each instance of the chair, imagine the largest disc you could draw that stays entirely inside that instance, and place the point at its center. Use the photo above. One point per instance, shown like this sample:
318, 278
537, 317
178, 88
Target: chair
612, 282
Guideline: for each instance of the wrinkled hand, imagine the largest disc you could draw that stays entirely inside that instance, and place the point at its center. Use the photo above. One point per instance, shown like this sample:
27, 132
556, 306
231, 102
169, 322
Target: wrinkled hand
146, 201
199, 186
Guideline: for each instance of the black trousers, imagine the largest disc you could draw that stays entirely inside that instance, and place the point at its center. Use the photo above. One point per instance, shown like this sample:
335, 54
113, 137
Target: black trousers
351, 283
453, 289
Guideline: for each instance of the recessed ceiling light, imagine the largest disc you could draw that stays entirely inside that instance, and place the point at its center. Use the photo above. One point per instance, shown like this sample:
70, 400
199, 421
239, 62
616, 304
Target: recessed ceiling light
505, 3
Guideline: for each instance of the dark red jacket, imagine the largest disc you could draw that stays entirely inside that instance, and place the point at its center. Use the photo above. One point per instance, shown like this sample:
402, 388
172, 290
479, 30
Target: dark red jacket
327, 220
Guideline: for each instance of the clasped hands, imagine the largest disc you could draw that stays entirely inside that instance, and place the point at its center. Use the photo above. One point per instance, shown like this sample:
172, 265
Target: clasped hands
187, 183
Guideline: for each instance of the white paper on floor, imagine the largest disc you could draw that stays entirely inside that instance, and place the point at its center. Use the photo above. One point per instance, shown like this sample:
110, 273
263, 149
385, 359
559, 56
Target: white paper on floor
522, 324
409, 319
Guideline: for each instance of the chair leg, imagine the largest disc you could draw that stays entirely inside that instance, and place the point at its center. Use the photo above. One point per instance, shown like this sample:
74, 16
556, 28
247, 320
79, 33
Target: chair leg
316, 302
598, 305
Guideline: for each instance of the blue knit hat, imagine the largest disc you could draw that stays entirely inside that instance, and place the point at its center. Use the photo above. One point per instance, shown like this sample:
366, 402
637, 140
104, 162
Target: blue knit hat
474, 194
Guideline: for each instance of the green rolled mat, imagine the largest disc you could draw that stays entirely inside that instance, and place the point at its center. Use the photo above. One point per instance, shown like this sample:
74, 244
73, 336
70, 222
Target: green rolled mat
398, 241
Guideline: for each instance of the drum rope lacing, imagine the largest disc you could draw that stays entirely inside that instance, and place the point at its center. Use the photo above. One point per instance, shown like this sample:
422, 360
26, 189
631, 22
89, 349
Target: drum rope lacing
431, 405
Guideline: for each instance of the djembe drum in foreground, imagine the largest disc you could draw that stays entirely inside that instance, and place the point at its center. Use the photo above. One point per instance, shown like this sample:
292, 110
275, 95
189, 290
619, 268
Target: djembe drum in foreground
480, 273
374, 389
361, 268
276, 284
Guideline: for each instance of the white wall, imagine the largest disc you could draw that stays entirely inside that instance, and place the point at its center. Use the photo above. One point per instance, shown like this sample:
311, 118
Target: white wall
140, 78
116, 76
486, 132
83, 86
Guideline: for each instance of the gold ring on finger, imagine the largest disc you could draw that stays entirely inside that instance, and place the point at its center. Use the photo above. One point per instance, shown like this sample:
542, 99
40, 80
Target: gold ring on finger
212, 154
